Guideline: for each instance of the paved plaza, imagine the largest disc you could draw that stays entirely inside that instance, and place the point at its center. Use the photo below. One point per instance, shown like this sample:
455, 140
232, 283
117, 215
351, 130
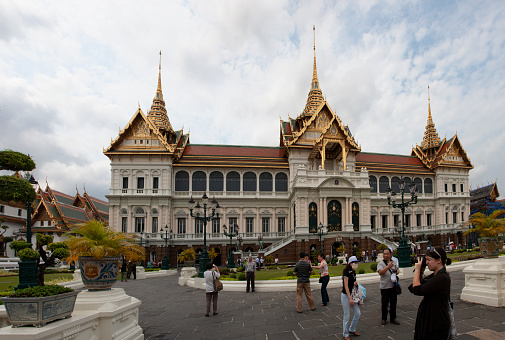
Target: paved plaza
170, 311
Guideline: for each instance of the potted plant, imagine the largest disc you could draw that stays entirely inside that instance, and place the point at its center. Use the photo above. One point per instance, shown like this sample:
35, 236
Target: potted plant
39, 305
490, 230
33, 260
97, 248
188, 257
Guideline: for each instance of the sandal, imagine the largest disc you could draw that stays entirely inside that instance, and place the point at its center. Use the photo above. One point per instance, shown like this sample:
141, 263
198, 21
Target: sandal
354, 333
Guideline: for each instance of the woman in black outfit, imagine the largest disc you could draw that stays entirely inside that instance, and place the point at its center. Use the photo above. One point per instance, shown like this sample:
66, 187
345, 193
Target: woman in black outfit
433, 320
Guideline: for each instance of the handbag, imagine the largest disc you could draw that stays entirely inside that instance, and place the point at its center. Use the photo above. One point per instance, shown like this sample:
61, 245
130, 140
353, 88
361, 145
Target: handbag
218, 285
398, 288
452, 331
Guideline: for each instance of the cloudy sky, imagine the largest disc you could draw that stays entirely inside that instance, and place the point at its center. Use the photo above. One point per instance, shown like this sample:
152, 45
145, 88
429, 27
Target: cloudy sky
73, 72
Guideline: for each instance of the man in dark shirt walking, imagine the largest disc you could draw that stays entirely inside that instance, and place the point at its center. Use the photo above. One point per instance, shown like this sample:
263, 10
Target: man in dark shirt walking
302, 270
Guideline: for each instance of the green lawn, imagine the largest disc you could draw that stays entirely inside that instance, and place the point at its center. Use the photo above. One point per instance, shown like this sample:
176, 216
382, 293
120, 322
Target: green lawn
12, 281
264, 274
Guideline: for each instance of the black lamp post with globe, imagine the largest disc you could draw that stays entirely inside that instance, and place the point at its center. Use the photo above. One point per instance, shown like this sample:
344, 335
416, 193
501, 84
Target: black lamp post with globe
403, 249
233, 232
165, 264
201, 214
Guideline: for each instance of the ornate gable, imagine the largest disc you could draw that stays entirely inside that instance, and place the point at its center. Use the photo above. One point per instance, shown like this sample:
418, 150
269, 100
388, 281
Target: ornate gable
140, 134
454, 155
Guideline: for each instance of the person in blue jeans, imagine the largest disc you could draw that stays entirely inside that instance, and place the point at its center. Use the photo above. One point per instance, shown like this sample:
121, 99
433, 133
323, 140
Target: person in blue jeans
324, 279
348, 283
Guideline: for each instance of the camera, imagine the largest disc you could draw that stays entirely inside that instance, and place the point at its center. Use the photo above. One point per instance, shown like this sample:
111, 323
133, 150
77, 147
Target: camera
423, 260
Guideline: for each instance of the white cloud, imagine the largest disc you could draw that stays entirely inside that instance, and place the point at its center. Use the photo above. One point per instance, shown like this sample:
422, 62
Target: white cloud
72, 73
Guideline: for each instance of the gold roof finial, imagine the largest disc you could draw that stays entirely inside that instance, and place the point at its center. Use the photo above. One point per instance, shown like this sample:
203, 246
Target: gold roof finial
158, 112
315, 82
315, 95
431, 139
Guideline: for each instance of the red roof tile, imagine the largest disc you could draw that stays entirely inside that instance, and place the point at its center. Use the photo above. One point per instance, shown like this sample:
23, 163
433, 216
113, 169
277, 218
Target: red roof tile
230, 151
388, 159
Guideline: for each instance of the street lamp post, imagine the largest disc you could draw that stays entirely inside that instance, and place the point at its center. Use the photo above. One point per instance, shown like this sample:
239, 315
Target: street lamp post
201, 215
403, 249
321, 233
142, 245
165, 264
233, 232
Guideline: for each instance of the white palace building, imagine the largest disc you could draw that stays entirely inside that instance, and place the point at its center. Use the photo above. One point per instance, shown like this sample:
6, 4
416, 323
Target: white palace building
317, 176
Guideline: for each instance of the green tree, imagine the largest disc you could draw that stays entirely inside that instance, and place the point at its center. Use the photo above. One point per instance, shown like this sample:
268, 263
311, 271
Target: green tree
486, 226
14, 188
46, 256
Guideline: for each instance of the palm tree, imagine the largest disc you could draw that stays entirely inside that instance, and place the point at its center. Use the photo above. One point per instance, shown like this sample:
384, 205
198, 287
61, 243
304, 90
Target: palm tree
486, 226
97, 239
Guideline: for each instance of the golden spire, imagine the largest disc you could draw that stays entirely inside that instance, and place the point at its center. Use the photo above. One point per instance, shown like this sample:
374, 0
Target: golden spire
315, 95
431, 139
315, 82
158, 112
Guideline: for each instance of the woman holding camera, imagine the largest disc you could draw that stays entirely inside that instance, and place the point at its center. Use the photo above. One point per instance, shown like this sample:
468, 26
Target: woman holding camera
210, 275
433, 321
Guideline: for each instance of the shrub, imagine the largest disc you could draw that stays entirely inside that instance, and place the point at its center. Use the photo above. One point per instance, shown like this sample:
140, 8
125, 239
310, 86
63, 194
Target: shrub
334, 261
289, 273
39, 291
28, 254
381, 247
233, 276
225, 271
361, 271
373, 267
240, 270
340, 261
241, 277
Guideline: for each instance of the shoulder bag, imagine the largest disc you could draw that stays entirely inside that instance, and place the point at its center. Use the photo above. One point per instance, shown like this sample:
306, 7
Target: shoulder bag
218, 285
398, 288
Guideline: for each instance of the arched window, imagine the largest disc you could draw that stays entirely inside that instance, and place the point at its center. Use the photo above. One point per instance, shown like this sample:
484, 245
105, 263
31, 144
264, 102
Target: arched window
383, 184
281, 182
395, 184
419, 183
312, 217
407, 184
428, 186
355, 216
232, 181
266, 183
199, 181
249, 181
182, 181
373, 183
216, 181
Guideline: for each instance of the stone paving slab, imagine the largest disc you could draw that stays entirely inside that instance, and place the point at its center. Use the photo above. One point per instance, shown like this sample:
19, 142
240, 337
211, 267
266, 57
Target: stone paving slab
170, 311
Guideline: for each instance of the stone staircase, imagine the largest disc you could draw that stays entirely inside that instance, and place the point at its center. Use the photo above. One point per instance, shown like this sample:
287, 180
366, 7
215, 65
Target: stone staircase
380, 239
279, 244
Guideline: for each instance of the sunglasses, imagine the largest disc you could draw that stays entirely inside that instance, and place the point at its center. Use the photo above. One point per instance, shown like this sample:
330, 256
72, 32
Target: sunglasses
436, 252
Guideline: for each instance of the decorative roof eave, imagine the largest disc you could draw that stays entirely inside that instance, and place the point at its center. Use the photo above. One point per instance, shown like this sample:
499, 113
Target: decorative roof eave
152, 127
335, 118
179, 150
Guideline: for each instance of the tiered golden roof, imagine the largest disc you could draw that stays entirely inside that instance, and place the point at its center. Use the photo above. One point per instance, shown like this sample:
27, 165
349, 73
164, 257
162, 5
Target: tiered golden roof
158, 113
431, 140
315, 95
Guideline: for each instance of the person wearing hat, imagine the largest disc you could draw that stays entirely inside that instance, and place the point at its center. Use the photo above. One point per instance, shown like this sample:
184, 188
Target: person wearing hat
348, 283
388, 270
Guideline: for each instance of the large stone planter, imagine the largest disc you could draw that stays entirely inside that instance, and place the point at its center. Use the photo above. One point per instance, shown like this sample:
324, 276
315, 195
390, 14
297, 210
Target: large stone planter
38, 311
99, 274
491, 246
